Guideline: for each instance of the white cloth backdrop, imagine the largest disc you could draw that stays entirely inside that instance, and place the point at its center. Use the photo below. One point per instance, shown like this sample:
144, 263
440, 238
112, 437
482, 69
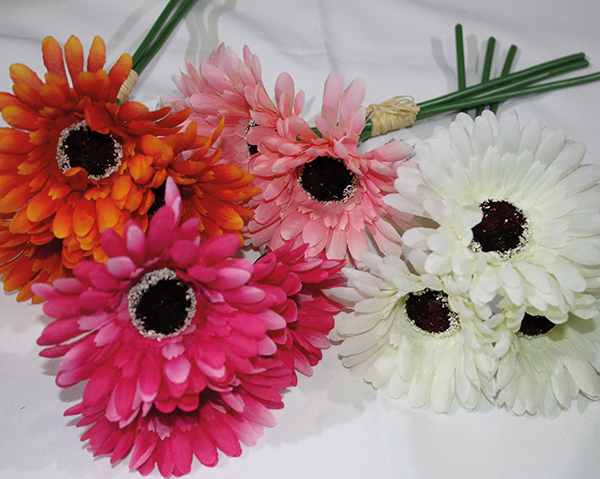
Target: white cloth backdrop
333, 424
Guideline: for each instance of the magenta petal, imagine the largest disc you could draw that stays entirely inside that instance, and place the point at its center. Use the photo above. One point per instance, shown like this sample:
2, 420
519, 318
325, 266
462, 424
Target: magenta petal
178, 369
218, 248
204, 448
69, 285
245, 295
59, 331
136, 243
121, 266
230, 278
112, 243
149, 380
142, 449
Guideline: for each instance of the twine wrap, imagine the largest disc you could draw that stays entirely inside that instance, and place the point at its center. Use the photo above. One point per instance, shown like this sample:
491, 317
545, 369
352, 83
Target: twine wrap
393, 114
127, 87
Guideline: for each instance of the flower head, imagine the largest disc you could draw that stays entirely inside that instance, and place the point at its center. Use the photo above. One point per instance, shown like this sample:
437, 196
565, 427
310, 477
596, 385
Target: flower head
169, 441
318, 188
411, 338
165, 319
308, 311
76, 163
516, 211
226, 86
543, 366
72, 165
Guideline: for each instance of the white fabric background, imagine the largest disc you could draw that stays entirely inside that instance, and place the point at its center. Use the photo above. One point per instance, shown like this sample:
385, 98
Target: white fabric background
333, 425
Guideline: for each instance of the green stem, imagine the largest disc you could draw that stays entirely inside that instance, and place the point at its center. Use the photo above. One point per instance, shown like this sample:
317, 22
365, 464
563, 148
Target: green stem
460, 58
469, 91
494, 97
487, 67
162, 37
158, 24
505, 71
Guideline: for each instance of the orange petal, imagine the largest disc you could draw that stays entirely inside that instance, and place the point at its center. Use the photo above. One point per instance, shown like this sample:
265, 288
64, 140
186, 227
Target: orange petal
28, 96
15, 198
121, 187
23, 74
53, 57
7, 99
140, 168
53, 95
14, 142
107, 212
74, 57
84, 217
97, 119
41, 207
118, 74
97, 56
132, 110
62, 225
20, 116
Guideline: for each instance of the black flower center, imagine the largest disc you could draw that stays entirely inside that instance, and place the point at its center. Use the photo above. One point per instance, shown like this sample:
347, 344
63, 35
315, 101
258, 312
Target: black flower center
161, 305
159, 199
98, 154
533, 326
327, 179
503, 229
429, 312
252, 149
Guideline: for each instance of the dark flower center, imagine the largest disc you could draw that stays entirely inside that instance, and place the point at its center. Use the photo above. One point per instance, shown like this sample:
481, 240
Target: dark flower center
159, 199
252, 149
533, 326
429, 312
161, 305
503, 229
327, 179
98, 154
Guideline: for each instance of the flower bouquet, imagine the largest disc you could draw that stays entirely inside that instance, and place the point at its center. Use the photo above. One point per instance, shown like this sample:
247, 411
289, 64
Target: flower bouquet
460, 272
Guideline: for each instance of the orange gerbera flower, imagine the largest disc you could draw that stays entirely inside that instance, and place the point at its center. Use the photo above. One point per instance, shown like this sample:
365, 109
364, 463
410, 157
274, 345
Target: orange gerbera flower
210, 191
75, 162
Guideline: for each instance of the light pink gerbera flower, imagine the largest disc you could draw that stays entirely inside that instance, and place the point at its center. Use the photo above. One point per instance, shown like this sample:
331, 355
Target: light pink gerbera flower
318, 188
226, 86
308, 311
166, 326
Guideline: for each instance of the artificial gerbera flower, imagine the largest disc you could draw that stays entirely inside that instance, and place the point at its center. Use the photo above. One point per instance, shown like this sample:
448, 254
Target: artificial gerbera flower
164, 320
226, 86
517, 214
317, 187
70, 164
543, 366
169, 441
210, 191
410, 337
308, 311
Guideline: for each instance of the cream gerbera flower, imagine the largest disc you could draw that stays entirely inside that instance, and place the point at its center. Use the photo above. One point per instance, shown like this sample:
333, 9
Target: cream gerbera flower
544, 366
411, 337
517, 214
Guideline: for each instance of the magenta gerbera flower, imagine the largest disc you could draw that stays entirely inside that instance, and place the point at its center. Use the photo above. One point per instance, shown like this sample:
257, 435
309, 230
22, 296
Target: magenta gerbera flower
169, 441
318, 188
168, 326
227, 86
308, 311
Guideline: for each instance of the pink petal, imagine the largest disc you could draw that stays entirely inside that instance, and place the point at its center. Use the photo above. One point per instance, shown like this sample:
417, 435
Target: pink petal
332, 94
178, 369
120, 266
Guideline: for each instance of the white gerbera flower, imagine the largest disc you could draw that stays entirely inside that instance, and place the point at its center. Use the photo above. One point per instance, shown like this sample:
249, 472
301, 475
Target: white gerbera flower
544, 366
518, 214
412, 338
